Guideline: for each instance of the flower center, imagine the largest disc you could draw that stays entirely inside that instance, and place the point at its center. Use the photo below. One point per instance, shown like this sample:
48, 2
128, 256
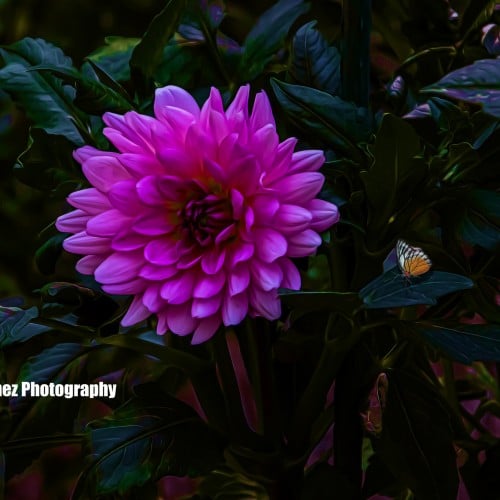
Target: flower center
209, 219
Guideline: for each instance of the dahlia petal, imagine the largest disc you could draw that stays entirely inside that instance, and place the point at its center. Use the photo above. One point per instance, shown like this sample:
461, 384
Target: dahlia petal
90, 200
202, 308
161, 252
281, 161
162, 326
177, 162
271, 244
209, 285
206, 329
104, 171
82, 243
178, 119
291, 275
266, 276
179, 319
237, 201
107, 224
88, 264
200, 143
130, 133
118, 268
123, 196
239, 279
188, 260
128, 288
174, 96
324, 214
125, 241
136, 312
228, 150
179, 289
240, 103
266, 140
299, 188
214, 101
85, 152
264, 208
303, 244
149, 193
120, 142
245, 174
139, 165
214, 170
240, 252
152, 299
264, 303
153, 224
72, 222
225, 234
292, 218
306, 161
213, 260
157, 273
262, 113
234, 308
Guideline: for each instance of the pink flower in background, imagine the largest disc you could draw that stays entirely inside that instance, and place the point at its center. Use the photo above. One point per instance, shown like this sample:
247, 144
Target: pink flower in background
199, 212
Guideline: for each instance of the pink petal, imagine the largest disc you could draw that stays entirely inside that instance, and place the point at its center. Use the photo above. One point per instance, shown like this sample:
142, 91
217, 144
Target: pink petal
154, 223
82, 154
178, 162
90, 200
240, 252
306, 161
265, 304
108, 223
303, 244
119, 267
291, 275
179, 289
157, 273
237, 201
270, 244
265, 140
128, 288
142, 164
88, 264
72, 222
266, 276
324, 214
206, 329
125, 241
152, 299
245, 174
299, 188
209, 285
202, 308
281, 161
174, 96
225, 234
103, 172
239, 279
234, 308
161, 252
147, 189
178, 119
136, 312
123, 196
120, 142
240, 102
264, 208
213, 260
84, 244
292, 218
262, 113
179, 319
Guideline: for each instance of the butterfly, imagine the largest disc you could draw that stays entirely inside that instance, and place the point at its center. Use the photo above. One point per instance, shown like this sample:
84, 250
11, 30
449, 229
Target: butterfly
412, 261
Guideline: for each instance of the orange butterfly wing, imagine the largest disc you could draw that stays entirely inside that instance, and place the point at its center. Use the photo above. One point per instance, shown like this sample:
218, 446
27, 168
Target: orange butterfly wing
412, 261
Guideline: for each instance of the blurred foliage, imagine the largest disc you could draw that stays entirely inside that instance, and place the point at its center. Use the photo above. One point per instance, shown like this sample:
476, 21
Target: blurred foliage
419, 163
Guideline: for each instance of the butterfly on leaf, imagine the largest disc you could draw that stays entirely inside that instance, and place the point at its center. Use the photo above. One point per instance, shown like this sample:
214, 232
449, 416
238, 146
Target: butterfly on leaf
412, 261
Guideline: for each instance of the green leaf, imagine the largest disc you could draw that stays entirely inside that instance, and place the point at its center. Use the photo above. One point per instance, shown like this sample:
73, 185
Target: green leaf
15, 325
226, 484
481, 222
392, 289
395, 172
148, 54
314, 62
324, 117
267, 36
416, 438
477, 84
46, 256
476, 15
45, 99
306, 301
151, 436
464, 343
47, 161
114, 57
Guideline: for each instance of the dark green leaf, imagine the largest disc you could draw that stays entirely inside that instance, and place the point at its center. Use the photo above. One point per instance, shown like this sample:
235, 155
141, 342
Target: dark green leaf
15, 325
396, 170
416, 439
306, 301
47, 161
46, 256
392, 289
481, 222
114, 57
148, 54
325, 117
46, 100
267, 35
314, 62
464, 343
477, 84
477, 14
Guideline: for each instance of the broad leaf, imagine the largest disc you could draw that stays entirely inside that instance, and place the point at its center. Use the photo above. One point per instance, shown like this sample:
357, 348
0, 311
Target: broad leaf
15, 326
314, 62
45, 99
464, 343
477, 84
324, 117
267, 35
392, 289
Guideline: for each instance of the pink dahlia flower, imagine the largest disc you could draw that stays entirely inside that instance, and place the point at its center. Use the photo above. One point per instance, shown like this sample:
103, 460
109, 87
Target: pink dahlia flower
198, 214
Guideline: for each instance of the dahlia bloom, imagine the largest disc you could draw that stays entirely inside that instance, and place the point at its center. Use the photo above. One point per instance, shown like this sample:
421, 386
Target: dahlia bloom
199, 212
